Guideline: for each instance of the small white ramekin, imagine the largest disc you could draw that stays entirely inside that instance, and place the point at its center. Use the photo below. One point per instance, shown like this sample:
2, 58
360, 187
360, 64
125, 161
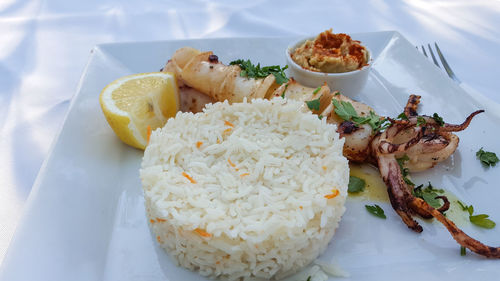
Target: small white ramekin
347, 83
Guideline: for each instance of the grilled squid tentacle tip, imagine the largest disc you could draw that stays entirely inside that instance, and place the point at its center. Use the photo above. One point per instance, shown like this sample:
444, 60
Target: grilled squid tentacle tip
460, 127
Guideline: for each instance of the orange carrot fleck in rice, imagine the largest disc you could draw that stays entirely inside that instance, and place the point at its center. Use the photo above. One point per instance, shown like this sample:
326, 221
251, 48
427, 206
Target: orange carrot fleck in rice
244, 174
334, 194
188, 177
198, 144
227, 123
160, 220
203, 233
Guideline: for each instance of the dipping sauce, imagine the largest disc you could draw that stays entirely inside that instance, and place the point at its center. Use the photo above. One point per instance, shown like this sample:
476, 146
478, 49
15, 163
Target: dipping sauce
331, 53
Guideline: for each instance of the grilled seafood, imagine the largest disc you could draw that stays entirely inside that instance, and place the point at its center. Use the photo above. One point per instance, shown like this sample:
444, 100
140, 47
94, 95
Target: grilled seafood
423, 139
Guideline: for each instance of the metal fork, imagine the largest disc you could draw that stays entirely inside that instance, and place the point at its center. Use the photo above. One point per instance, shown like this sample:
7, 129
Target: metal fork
445, 64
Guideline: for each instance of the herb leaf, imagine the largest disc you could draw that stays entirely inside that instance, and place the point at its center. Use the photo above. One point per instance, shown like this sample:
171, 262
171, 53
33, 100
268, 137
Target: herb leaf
402, 116
313, 104
346, 111
462, 251
376, 211
355, 184
429, 195
487, 158
438, 119
420, 121
482, 220
255, 71
316, 90
283, 94
405, 171
464, 207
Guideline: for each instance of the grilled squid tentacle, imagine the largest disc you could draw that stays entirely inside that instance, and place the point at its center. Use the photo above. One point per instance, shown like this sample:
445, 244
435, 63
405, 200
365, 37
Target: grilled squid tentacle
457, 234
460, 127
399, 192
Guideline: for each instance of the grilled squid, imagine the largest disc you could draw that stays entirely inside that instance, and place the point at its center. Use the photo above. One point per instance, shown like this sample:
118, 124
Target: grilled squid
424, 140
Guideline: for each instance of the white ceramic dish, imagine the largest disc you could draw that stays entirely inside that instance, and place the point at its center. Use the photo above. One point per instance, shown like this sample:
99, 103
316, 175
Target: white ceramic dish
85, 218
348, 83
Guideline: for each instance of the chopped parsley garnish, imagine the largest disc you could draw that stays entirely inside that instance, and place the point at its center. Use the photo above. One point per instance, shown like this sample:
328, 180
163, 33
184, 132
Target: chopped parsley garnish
320, 117
405, 171
420, 121
402, 116
283, 94
316, 90
376, 211
462, 251
308, 278
255, 71
438, 119
428, 194
481, 220
337, 94
355, 184
487, 158
346, 111
375, 122
464, 207
313, 104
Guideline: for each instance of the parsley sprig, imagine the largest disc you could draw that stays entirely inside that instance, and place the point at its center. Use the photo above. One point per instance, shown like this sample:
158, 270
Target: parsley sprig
428, 194
355, 184
255, 71
487, 158
346, 111
405, 171
462, 251
376, 211
313, 104
402, 116
481, 220
438, 119
421, 119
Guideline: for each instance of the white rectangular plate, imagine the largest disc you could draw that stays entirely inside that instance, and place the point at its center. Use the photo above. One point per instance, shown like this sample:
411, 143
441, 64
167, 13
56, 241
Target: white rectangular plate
85, 218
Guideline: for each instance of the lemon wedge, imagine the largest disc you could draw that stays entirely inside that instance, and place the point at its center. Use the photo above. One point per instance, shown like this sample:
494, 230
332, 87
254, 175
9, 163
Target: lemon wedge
136, 104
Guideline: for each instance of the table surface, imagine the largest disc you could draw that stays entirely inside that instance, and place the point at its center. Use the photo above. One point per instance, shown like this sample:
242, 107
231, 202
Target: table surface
44, 47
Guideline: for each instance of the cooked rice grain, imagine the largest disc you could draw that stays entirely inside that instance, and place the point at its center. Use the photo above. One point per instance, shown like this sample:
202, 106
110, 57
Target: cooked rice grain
245, 190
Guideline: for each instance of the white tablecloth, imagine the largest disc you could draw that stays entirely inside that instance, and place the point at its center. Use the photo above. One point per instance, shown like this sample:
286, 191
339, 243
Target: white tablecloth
44, 46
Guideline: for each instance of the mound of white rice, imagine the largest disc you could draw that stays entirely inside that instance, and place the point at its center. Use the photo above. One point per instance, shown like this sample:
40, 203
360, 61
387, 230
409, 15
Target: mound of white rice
245, 190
